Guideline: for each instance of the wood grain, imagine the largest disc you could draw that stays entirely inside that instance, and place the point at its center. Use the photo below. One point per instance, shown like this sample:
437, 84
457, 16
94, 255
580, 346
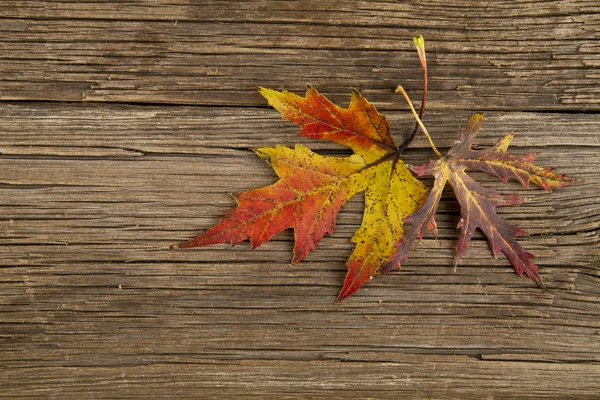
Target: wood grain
126, 124
524, 55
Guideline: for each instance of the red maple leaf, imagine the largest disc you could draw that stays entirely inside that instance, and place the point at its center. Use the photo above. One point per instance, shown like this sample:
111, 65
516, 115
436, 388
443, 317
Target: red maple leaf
312, 188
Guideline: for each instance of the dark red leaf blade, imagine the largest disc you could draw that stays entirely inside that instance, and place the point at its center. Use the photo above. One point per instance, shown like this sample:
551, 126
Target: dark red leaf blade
477, 202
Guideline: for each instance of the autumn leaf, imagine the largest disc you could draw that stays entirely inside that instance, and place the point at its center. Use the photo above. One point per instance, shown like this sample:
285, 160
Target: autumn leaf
312, 188
478, 203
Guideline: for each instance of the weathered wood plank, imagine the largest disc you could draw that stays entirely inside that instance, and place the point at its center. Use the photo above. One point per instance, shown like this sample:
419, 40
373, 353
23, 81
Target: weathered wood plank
93, 303
91, 197
522, 55
418, 377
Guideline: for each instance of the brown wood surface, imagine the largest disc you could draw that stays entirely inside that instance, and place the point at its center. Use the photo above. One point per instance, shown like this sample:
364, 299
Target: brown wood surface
124, 126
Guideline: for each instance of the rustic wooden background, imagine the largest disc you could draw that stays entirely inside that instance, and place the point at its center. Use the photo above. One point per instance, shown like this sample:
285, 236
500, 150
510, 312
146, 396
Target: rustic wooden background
125, 124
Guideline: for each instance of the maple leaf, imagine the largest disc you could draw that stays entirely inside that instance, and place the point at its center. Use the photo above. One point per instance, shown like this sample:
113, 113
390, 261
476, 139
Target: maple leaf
477, 202
312, 188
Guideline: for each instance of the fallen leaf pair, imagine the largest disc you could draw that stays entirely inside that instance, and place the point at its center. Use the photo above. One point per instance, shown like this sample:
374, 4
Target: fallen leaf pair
312, 188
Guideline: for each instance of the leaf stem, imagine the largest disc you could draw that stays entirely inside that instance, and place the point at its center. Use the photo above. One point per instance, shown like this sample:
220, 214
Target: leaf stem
420, 45
401, 90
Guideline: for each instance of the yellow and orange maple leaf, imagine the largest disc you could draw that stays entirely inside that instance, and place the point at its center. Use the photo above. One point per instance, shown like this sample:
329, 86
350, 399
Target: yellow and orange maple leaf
312, 188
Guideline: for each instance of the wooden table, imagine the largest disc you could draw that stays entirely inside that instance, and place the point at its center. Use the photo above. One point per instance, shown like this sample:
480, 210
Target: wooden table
126, 124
